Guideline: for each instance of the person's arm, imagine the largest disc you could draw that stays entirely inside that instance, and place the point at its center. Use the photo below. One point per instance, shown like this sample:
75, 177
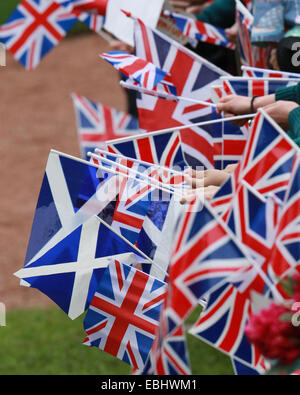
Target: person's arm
290, 93
294, 125
220, 13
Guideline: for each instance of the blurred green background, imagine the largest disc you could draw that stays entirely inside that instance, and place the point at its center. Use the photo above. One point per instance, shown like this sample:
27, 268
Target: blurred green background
46, 341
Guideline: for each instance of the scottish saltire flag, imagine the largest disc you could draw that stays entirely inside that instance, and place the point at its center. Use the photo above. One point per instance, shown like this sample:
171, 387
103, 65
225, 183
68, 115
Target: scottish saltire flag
72, 192
96, 7
158, 148
156, 236
266, 164
70, 271
192, 76
200, 31
255, 72
222, 324
139, 70
204, 256
124, 313
255, 86
97, 123
285, 257
34, 28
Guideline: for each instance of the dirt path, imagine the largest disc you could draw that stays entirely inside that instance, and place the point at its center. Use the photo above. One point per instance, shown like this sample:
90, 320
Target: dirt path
36, 114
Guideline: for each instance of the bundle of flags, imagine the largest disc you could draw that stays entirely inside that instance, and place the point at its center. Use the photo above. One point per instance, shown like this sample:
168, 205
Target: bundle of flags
110, 238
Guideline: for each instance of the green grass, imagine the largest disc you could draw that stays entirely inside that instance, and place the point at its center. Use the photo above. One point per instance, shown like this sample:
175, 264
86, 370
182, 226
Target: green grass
46, 341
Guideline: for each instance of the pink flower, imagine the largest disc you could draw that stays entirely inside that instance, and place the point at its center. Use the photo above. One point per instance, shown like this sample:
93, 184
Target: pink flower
274, 338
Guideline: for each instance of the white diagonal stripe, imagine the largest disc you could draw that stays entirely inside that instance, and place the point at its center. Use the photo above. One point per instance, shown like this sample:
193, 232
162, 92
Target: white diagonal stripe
104, 195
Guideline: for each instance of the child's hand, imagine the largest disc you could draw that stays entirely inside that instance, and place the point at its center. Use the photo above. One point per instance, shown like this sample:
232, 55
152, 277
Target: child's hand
205, 178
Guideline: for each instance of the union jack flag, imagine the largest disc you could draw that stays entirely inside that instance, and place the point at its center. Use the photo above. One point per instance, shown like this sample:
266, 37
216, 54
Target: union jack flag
74, 3
200, 31
171, 356
34, 28
252, 219
161, 148
204, 256
266, 164
222, 324
255, 72
268, 158
139, 70
192, 76
255, 86
123, 316
90, 6
249, 55
285, 256
97, 123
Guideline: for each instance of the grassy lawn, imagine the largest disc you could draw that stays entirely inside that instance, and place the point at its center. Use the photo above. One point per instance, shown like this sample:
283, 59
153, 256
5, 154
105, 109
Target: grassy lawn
46, 341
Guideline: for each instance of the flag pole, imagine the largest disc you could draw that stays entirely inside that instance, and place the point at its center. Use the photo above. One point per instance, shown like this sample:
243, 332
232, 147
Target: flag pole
142, 162
174, 129
115, 172
111, 162
137, 173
